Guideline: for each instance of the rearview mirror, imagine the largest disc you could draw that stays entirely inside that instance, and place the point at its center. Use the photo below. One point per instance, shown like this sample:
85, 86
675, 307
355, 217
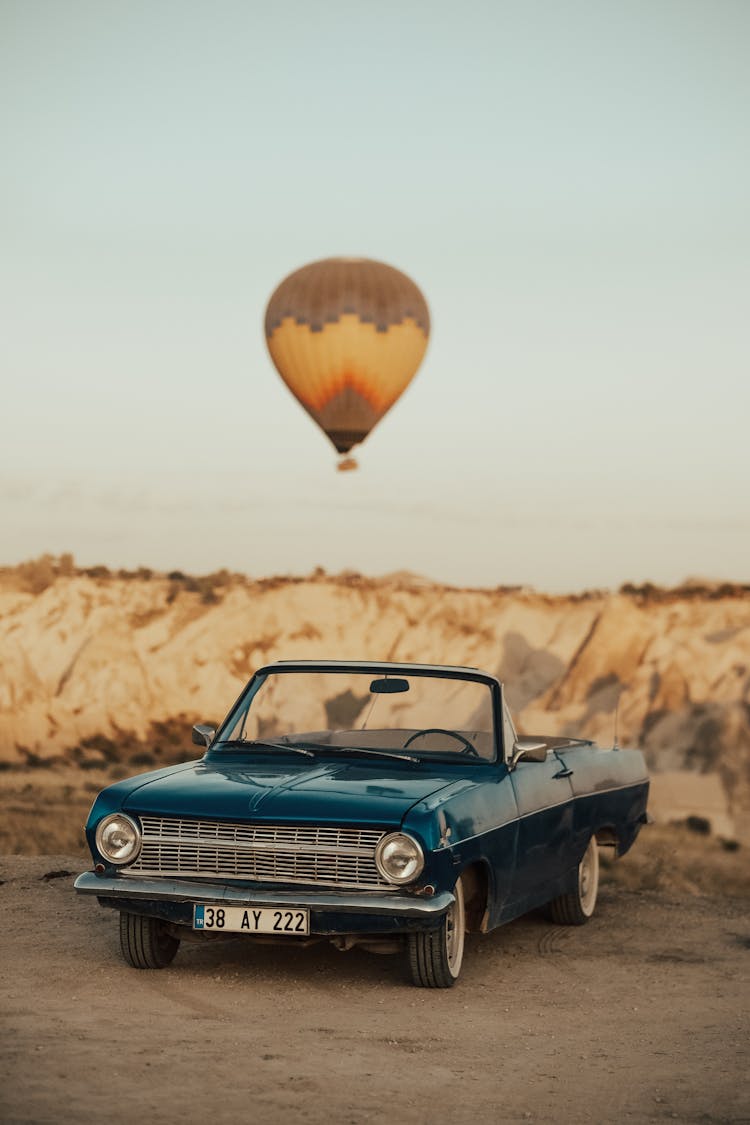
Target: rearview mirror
390, 686
203, 734
528, 750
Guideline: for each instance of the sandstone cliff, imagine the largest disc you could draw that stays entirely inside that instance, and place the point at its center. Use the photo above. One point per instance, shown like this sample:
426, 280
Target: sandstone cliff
95, 666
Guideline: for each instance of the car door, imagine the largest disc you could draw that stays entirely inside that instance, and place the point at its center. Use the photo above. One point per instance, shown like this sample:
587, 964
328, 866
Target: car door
544, 799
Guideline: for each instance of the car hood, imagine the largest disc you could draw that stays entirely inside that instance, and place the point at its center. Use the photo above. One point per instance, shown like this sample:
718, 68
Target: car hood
350, 792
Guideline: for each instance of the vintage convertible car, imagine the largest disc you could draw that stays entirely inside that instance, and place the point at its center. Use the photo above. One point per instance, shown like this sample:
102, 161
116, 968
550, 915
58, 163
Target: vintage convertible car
387, 805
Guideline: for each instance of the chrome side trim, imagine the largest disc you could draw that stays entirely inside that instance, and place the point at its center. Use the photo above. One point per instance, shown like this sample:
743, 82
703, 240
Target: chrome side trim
407, 906
579, 797
536, 812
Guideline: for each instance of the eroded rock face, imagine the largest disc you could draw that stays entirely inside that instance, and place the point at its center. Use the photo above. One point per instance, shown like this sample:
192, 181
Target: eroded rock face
93, 667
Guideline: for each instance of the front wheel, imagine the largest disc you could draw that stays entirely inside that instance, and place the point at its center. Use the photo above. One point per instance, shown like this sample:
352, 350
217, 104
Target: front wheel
435, 956
145, 942
577, 907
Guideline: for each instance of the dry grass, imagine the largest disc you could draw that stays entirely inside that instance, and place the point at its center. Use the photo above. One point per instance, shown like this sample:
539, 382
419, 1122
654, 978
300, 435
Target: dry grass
674, 859
42, 812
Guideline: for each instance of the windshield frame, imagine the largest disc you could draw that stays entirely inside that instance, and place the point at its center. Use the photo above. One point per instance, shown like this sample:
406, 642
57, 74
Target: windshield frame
433, 671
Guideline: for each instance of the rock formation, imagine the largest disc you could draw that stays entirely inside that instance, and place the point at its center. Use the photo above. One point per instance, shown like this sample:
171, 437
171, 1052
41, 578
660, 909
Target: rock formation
95, 666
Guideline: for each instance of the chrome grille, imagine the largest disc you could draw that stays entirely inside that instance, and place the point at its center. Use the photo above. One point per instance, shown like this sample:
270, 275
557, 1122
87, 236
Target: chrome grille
277, 853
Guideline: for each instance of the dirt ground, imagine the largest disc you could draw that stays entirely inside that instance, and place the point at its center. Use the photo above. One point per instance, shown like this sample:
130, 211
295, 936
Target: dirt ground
642, 1015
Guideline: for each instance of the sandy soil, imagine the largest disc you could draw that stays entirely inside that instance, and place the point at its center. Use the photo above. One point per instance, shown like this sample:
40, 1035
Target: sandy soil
642, 1015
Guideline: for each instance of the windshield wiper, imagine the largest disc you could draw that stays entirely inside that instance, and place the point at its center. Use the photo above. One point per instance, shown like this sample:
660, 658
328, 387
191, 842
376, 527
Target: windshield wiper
264, 744
370, 753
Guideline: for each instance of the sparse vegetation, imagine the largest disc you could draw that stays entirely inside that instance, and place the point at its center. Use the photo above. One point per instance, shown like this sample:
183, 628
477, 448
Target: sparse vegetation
206, 586
141, 574
37, 574
647, 593
97, 572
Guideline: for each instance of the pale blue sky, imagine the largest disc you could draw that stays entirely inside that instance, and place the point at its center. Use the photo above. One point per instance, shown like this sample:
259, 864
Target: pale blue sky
567, 182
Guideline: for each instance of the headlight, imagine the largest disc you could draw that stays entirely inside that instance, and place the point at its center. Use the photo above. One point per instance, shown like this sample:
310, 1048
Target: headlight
118, 838
399, 858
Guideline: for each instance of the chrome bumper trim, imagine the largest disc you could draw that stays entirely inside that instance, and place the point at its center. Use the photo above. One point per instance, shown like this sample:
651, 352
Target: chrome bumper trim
174, 890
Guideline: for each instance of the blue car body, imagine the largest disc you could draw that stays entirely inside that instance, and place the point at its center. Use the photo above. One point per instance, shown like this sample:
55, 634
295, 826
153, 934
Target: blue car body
513, 826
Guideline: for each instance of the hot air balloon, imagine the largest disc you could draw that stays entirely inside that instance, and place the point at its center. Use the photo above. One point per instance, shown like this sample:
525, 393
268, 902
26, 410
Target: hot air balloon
347, 336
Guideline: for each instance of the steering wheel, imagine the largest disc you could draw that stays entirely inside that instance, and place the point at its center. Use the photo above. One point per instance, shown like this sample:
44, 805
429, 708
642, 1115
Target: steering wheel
469, 750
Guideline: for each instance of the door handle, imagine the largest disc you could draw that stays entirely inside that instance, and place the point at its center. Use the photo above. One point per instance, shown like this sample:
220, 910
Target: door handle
565, 772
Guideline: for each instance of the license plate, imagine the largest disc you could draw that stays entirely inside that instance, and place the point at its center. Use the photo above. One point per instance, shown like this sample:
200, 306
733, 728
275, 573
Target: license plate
250, 920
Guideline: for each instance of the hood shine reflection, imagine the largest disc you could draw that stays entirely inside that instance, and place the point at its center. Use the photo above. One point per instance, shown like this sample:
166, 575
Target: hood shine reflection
339, 792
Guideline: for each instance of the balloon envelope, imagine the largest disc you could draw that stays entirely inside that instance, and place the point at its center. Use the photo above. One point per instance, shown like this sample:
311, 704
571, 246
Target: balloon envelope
347, 336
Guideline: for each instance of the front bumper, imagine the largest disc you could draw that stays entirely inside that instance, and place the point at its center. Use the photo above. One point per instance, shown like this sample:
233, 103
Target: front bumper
331, 912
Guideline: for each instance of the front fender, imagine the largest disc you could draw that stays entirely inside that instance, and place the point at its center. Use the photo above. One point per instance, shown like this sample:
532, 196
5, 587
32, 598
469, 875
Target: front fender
112, 799
466, 824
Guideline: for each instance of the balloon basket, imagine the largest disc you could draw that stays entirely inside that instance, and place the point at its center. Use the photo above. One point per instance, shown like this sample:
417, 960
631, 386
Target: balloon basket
347, 465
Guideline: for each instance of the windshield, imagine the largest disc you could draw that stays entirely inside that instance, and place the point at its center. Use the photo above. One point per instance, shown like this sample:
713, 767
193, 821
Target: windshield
417, 714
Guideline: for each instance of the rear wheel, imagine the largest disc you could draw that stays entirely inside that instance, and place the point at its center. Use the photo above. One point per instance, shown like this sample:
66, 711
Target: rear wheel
145, 942
577, 907
435, 956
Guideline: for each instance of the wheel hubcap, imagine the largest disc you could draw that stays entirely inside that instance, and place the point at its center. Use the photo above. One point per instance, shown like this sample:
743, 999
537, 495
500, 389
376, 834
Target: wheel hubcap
585, 879
588, 878
454, 933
